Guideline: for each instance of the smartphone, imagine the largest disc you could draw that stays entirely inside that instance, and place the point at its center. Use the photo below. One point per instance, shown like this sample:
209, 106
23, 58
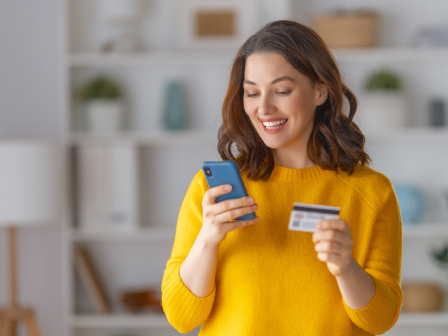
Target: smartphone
226, 172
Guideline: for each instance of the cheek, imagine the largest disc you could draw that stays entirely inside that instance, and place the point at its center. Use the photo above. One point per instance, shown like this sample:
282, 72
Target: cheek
250, 108
302, 104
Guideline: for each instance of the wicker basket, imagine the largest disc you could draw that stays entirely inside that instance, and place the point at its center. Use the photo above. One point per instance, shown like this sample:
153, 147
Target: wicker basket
358, 30
422, 297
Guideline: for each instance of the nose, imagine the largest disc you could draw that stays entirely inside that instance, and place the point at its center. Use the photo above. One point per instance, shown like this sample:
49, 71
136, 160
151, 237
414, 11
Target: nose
266, 107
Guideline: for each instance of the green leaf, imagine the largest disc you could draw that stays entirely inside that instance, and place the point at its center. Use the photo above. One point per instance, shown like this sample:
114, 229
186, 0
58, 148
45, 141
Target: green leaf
100, 87
383, 80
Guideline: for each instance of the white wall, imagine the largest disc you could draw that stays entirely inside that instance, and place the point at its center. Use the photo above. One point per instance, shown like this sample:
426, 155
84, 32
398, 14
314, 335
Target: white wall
29, 101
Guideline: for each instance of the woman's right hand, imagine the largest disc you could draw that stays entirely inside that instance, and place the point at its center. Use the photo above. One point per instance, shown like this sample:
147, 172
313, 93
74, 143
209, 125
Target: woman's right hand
218, 218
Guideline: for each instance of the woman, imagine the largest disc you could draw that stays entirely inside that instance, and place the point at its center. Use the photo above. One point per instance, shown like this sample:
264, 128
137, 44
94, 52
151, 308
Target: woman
285, 128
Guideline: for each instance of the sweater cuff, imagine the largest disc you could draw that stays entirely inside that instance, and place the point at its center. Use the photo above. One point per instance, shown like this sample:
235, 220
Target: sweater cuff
380, 314
184, 310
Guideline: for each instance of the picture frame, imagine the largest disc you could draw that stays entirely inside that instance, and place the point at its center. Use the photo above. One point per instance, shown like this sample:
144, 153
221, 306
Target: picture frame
215, 24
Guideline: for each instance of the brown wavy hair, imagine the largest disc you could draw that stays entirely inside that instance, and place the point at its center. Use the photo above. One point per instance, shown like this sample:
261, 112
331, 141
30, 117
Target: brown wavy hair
336, 142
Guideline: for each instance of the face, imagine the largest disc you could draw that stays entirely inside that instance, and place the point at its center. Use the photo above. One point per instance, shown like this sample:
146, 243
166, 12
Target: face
280, 101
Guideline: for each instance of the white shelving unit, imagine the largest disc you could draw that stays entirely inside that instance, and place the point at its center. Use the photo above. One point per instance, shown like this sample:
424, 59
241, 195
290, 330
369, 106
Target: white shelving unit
167, 161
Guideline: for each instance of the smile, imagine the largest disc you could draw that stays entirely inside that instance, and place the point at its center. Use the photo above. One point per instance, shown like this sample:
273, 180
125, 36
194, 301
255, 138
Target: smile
270, 125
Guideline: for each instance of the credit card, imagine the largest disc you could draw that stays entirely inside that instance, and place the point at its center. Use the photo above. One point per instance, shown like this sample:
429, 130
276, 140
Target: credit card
304, 217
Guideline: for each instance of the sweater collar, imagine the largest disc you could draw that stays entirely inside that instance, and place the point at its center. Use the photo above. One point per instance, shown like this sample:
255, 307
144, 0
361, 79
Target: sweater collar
302, 174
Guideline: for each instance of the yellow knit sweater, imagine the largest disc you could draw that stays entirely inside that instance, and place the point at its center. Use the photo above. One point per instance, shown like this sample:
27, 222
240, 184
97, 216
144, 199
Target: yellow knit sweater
269, 280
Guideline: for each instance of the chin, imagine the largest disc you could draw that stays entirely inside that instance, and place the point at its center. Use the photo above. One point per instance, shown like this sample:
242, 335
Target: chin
274, 144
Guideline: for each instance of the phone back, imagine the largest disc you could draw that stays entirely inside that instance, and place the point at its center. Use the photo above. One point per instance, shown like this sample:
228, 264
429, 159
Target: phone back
226, 172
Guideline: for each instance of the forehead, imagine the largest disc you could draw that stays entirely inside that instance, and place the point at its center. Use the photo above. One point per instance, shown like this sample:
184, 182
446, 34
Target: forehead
268, 66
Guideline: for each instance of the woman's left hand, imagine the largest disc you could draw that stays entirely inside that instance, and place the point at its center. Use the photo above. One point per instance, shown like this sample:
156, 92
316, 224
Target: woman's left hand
334, 243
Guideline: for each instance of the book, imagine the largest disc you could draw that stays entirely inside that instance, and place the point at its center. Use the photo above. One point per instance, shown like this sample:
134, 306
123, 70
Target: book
107, 185
90, 281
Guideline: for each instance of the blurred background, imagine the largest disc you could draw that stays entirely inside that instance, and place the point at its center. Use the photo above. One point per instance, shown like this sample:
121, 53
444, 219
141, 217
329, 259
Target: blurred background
132, 89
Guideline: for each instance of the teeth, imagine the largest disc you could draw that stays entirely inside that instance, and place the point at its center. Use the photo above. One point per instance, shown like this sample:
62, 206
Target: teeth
274, 124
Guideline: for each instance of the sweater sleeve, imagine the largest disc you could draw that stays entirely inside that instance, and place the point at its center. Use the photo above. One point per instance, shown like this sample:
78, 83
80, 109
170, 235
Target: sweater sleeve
383, 264
183, 309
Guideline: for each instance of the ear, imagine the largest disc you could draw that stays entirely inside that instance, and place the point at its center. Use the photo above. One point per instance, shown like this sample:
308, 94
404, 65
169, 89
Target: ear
321, 95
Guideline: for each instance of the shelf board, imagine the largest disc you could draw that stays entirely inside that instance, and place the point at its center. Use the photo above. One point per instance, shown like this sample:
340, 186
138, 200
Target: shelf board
155, 58
150, 138
150, 234
86, 59
434, 319
409, 134
426, 230
166, 233
152, 320
159, 320
391, 55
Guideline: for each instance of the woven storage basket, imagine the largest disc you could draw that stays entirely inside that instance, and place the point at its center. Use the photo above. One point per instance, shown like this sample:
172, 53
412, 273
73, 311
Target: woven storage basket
358, 30
422, 297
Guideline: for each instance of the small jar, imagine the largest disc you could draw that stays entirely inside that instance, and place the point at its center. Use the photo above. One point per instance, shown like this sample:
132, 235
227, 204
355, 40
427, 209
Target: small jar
437, 113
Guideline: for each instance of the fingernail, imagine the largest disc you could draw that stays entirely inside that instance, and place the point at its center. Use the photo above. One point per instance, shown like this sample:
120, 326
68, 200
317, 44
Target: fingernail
254, 207
250, 200
227, 187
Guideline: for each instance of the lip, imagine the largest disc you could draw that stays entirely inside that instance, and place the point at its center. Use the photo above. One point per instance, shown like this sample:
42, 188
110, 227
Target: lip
275, 130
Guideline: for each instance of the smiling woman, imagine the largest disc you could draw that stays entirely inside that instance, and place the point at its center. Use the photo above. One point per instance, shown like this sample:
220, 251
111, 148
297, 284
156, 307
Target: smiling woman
297, 52
284, 126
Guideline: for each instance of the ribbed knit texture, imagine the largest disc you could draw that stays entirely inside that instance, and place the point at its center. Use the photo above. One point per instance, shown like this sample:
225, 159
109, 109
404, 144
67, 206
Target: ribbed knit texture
269, 280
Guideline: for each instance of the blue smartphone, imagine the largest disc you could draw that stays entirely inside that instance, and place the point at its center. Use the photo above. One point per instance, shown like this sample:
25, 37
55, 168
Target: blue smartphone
226, 172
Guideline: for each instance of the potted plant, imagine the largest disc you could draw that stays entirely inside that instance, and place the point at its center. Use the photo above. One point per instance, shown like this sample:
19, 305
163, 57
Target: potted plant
103, 104
382, 105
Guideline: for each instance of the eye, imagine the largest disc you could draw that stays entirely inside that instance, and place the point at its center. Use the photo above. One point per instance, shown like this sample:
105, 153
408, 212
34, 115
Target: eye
251, 95
283, 93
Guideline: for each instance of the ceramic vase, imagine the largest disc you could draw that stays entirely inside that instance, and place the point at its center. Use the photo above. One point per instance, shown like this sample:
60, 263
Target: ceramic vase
175, 111
412, 203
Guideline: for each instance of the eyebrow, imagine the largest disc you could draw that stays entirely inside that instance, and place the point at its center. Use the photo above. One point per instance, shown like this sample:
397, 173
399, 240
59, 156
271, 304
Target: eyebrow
280, 79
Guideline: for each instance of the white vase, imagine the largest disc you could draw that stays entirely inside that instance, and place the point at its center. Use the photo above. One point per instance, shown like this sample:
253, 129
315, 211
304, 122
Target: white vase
104, 115
381, 110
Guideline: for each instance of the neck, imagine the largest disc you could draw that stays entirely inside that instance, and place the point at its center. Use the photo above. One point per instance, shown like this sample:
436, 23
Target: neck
292, 158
